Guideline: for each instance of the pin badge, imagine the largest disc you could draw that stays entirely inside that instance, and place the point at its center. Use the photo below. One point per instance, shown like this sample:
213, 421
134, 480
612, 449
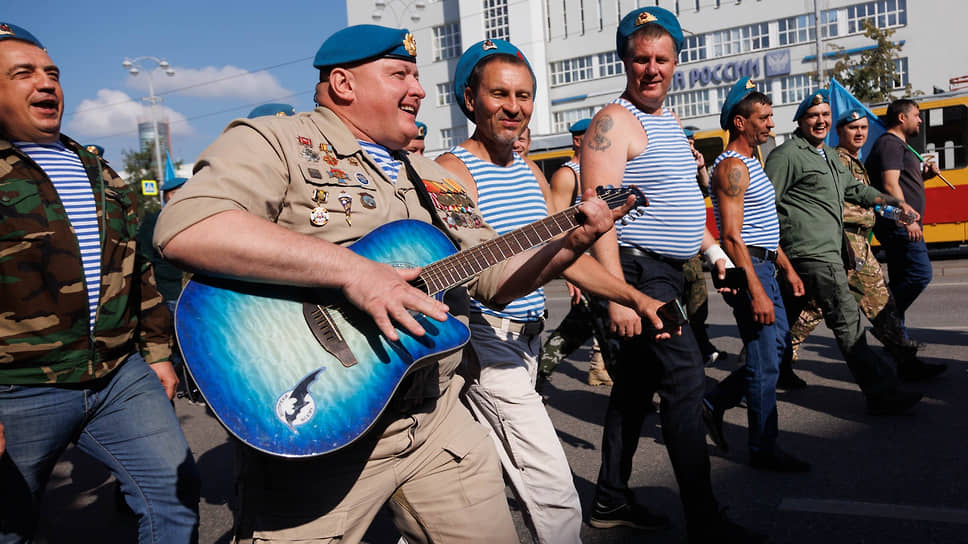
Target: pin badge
367, 201
319, 196
347, 202
362, 179
315, 174
319, 216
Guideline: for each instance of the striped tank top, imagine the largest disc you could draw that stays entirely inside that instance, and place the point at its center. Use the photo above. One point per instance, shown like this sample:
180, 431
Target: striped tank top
66, 172
576, 168
761, 227
674, 221
508, 198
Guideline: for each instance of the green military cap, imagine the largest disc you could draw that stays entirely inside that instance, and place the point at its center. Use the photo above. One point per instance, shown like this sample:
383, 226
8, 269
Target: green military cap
421, 131
739, 91
10, 31
643, 16
365, 42
819, 97
278, 110
473, 56
579, 127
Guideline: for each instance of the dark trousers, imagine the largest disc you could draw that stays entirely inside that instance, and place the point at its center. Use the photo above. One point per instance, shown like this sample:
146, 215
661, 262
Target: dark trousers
827, 284
673, 368
908, 265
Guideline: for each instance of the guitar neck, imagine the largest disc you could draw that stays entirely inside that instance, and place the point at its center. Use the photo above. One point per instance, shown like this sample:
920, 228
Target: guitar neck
464, 265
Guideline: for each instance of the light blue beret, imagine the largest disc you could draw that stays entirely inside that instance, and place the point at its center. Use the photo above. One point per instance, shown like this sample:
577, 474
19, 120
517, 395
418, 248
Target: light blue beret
739, 91
364, 42
173, 183
690, 134
812, 99
579, 127
279, 110
849, 116
13, 32
421, 131
643, 16
474, 55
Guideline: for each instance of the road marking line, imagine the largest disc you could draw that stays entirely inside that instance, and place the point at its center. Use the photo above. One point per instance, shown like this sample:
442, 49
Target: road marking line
878, 510
948, 284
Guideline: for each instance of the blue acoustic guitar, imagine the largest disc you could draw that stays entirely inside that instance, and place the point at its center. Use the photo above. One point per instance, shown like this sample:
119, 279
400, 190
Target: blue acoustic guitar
299, 372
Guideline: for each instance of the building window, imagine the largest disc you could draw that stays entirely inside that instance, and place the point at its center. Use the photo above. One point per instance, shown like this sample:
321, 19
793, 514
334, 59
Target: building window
444, 96
609, 64
740, 40
446, 41
561, 120
601, 15
803, 28
900, 73
884, 14
693, 49
449, 137
496, 20
573, 70
689, 103
793, 89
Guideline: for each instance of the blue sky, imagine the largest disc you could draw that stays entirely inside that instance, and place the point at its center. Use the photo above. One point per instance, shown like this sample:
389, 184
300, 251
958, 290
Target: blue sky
259, 51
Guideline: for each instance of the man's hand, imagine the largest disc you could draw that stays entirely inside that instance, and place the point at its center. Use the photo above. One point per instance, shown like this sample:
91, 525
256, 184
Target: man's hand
3, 441
574, 292
796, 284
648, 308
719, 271
166, 374
624, 321
383, 292
764, 312
914, 231
930, 169
598, 219
910, 212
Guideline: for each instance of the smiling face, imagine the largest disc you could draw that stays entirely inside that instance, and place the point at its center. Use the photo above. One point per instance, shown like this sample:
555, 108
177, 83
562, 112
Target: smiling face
852, 136
815, 123
386, 98
502, 102
650, 62
31, 99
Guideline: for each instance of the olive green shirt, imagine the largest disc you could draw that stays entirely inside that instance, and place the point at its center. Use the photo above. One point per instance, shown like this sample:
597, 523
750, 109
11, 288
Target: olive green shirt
810, 195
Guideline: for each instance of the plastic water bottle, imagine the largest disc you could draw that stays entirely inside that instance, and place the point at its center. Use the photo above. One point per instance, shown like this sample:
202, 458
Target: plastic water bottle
895, 213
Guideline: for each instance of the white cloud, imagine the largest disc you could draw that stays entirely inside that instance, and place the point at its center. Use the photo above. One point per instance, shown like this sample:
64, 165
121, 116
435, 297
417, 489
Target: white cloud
113, 112
214, 82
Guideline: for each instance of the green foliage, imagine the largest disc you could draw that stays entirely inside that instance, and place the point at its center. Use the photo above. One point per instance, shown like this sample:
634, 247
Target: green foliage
870, 76
140, 165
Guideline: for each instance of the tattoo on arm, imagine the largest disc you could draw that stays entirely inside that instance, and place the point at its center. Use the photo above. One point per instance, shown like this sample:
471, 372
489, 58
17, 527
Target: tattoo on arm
735, 184
600, 142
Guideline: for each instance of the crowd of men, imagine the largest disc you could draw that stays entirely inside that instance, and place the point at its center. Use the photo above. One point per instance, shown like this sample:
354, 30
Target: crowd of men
86, 339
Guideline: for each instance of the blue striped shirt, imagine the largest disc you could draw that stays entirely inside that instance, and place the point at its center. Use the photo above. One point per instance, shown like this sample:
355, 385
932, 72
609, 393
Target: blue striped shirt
674, 222
381, 156
576, 168
508, 198
66, 172
761, 227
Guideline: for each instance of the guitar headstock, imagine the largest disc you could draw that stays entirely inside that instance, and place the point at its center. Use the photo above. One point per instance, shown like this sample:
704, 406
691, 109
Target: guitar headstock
616, 196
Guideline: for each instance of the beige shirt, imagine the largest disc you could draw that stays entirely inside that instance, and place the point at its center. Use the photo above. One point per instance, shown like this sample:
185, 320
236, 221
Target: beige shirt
289, 170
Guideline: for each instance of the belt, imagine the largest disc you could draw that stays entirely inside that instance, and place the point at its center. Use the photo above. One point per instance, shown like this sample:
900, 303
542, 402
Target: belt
856, 228
521, 328
636, 252
762, 253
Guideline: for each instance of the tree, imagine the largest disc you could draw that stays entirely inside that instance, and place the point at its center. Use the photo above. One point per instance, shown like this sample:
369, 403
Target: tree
871, 75
140, 165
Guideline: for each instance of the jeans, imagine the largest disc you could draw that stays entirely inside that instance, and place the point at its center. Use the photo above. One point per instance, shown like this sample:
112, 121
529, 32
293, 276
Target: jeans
908, 265
123, 420
756, 380
674, 368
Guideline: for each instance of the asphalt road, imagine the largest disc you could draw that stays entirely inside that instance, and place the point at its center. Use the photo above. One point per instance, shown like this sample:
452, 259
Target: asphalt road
875, 479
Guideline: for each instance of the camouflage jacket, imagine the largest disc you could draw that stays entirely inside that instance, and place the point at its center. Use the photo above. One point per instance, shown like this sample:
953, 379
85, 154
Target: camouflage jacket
854, 214
45, 333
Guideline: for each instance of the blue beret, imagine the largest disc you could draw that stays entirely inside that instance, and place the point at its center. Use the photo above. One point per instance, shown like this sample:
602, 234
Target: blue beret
365, 42
642, 16
279, 110
96, 149
14, 32
579, 127
690, 134
739, 91
173, 183
849, 116
421, 131
473, 56
812, 99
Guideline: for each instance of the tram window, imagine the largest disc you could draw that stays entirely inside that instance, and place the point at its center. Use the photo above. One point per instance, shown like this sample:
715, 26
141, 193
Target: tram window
945, 134
710, 148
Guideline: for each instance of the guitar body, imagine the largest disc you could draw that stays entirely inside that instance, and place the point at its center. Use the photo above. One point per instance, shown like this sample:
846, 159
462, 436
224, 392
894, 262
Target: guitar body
265, 373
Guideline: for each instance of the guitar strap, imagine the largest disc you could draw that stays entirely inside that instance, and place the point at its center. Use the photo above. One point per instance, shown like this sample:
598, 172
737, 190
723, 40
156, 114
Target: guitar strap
423, 194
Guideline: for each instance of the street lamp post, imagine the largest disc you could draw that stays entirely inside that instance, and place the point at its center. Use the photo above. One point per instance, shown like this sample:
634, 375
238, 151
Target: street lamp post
134, 68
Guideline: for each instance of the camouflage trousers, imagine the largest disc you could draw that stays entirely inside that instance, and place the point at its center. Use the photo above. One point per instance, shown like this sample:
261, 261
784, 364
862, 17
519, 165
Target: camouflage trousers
874, 298
587, 319
697, 303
